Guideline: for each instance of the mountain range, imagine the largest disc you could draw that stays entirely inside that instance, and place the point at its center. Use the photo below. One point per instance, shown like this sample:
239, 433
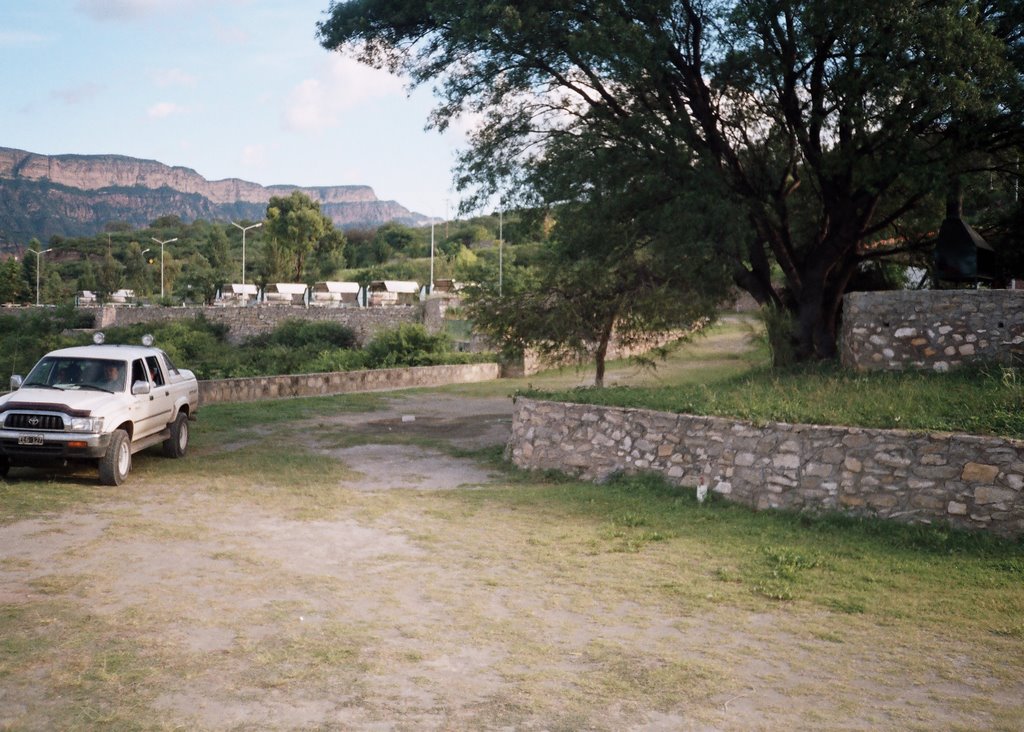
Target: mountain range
42, 196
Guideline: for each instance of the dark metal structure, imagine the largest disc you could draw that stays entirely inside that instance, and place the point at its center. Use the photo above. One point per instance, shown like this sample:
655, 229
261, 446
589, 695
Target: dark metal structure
961, 254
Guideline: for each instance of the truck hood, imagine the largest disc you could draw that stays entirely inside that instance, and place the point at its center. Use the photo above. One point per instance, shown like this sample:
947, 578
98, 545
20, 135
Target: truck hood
78, 403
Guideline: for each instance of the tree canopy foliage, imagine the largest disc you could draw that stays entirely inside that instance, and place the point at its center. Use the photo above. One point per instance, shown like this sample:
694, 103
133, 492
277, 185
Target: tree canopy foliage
297, 225
824, 124
613, 271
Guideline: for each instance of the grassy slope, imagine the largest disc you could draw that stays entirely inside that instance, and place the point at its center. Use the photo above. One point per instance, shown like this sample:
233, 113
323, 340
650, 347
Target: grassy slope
716, 375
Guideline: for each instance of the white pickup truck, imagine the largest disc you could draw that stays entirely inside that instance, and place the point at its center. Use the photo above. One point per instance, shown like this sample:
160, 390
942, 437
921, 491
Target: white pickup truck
99, 404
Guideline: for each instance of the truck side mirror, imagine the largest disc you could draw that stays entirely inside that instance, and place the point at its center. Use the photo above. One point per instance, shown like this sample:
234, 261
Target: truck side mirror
141, 387
16, 382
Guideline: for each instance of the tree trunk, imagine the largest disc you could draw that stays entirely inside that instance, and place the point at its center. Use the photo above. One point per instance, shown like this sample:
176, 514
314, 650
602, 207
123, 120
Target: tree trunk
601, 353
814, 316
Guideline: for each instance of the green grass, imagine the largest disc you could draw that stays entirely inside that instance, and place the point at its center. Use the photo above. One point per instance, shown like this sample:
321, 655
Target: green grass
985, 400
723, 553
217, 418
28, 499
101, 679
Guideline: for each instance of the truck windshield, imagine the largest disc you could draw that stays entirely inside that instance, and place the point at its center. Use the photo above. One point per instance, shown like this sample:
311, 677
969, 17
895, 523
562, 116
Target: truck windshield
78, 373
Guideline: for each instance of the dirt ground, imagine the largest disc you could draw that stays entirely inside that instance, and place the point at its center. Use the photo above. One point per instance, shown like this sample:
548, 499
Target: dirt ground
189, 603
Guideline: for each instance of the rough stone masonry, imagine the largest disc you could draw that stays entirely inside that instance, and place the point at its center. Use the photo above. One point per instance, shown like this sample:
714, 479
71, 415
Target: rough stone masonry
967, 481
932, 329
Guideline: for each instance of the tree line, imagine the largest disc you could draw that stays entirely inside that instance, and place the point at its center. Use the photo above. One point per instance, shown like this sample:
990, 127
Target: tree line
295, 242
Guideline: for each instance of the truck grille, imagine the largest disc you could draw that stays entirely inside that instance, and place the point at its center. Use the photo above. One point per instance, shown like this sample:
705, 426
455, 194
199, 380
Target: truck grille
27, 453
52, 422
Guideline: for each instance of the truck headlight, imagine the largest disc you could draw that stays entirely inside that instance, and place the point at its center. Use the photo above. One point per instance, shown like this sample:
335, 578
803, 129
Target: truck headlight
87, 424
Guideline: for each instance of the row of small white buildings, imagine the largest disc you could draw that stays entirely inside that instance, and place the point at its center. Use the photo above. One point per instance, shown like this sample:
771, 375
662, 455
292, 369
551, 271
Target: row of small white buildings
325, 294
379, 293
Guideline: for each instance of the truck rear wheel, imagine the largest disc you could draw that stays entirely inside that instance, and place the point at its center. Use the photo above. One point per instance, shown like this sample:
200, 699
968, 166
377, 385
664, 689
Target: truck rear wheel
116, 463
176, 445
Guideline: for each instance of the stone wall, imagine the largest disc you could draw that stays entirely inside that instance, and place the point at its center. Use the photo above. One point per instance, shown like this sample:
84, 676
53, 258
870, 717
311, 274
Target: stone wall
969, 482
932, 329
258, 388
245, 322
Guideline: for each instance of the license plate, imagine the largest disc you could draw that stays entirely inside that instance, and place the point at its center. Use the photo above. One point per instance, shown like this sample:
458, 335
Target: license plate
30, 439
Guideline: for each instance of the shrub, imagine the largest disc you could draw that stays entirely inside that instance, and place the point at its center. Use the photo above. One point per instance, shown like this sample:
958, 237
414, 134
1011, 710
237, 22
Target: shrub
407, 345
27, 336
197, 344
337, 360
309, 334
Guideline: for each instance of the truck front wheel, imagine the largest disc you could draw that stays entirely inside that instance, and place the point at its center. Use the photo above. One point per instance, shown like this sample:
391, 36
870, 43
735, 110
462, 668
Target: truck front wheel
117, 461
5, 465
176, 445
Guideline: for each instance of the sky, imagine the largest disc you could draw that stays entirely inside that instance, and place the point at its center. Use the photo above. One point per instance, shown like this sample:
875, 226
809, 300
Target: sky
228, 88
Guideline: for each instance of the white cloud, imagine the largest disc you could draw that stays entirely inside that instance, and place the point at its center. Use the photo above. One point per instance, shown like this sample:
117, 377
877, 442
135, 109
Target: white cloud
254, 156
161, 110
76, 95
173, 77
230, 35
309, 108
20, 39
315, 105
120, 9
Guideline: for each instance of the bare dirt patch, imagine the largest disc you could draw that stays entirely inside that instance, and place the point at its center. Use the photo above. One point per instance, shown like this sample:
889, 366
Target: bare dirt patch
399, 605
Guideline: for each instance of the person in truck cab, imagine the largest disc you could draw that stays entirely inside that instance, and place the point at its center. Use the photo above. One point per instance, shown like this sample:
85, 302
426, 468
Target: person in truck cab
113, 377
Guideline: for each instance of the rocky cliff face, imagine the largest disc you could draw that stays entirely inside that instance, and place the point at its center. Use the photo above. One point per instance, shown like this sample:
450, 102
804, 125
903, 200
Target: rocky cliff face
75, 195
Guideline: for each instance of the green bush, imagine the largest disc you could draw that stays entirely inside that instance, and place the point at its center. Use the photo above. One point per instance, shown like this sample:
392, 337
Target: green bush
407, 345
295, 347
338, 360
197, 344
27, 336
308, 334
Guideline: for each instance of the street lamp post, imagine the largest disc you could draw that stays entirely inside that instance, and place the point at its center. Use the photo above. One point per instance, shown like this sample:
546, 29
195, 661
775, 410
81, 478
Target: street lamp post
161, 243
501, 244
245, 229
39, 266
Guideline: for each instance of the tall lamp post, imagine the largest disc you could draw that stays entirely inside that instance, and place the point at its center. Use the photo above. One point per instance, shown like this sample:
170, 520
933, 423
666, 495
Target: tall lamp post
161, 243
245, 229
501, 243
39, 266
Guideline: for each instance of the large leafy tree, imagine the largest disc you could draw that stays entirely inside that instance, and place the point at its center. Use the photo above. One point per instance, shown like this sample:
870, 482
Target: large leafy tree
609, 272
218, 253
136, 272
825, 121
328, 256
11, 284
296, 223
583, 298
111, 275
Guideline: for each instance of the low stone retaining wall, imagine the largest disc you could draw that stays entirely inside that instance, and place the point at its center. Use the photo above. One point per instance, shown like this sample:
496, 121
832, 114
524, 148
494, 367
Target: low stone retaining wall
967, 481
932, 329
257, 388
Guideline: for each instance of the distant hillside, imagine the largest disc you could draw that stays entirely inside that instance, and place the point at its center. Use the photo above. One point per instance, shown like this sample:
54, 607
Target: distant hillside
76, 195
